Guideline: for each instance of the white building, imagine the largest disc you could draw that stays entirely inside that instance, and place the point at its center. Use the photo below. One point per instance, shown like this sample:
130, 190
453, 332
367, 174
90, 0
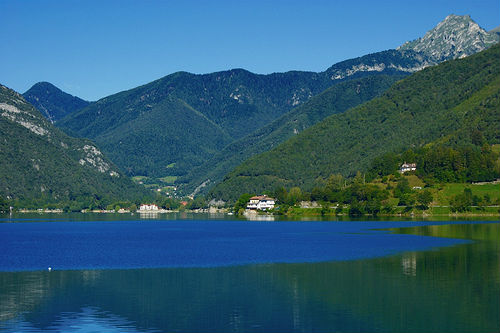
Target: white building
148, 208
261, 202
406, 167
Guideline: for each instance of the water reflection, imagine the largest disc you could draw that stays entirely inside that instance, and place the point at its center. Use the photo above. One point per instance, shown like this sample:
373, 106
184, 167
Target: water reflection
252, 216
451, 289
89, 319
409, 263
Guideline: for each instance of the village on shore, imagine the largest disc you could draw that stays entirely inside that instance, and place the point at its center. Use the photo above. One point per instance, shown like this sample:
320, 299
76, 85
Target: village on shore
260, 206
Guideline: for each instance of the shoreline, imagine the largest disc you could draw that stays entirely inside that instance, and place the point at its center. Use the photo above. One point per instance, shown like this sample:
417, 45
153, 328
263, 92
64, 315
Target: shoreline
304, 213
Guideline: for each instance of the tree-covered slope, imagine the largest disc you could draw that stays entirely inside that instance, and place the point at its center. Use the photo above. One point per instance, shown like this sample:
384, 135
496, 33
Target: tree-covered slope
159, 143
229, 105
238, 102
430, 104
336, 99
52, 102
39, 162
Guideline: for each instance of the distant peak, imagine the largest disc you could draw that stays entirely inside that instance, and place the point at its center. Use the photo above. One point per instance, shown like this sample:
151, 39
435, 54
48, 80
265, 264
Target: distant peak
454, 17
454, 37
495, 30
43, 85
52, 102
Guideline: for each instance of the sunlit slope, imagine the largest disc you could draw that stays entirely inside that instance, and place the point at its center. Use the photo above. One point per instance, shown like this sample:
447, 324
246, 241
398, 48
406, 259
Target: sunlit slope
415, 111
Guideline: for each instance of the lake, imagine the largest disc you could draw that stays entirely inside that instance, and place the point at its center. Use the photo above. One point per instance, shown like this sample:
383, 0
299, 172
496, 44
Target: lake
125, 274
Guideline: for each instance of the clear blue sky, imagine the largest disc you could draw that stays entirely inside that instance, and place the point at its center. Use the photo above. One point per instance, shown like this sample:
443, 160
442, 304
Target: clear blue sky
96, 48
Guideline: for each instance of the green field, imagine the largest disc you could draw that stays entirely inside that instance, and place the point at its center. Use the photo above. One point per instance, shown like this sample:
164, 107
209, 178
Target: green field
169, 179
448, 191
139, 178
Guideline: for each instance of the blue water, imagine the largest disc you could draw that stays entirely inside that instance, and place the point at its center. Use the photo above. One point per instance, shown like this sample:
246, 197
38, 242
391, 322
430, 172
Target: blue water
161, 244
239, 276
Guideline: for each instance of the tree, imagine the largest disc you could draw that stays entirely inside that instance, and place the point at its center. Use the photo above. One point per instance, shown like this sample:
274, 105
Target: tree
477, 137
356, 209
402, 188
294, 196
424, 198
242, 202
197, 203
335, 182
373, 206
359, 178
461, 202
4, 205
280, 194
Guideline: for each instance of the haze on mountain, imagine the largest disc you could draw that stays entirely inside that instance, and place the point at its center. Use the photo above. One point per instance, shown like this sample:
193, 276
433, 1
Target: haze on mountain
444, 103
40, 162
52, 102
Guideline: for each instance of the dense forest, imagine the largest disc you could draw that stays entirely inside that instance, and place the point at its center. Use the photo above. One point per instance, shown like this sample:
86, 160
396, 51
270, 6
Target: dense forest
443, 103
228, 105
336, 99
384, 188
439, 163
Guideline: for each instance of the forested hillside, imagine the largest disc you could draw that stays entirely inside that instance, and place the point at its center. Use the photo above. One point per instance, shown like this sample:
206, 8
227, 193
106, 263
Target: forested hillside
219, 108
448, 100
41, 165
336, 99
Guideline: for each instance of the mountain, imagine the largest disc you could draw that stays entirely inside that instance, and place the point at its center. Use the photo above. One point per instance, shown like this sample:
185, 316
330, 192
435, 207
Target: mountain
39, 162
495, 31
181, 120
387, 62
336, 99
52, 102
458, 96
455, 37
391, 62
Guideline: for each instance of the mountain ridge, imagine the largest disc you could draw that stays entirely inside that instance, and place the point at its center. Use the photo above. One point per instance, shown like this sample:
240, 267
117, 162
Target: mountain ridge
237, 101
413, 112
335, 99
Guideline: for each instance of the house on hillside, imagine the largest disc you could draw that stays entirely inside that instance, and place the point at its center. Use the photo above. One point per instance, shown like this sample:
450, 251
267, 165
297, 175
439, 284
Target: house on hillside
261, 202
407, 167
148, 208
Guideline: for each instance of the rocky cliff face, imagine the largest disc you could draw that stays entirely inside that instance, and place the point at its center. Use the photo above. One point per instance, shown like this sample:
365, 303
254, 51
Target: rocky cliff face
40, 164
454, 37
16, 111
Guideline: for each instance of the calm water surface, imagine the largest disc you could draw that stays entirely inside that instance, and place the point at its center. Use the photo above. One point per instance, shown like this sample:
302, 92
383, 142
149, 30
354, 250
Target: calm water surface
230, 276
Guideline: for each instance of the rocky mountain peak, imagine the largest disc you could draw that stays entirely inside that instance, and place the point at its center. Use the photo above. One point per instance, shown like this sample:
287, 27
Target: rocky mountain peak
454, 37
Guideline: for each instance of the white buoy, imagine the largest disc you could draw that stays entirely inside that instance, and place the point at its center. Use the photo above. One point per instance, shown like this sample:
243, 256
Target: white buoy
50, 268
